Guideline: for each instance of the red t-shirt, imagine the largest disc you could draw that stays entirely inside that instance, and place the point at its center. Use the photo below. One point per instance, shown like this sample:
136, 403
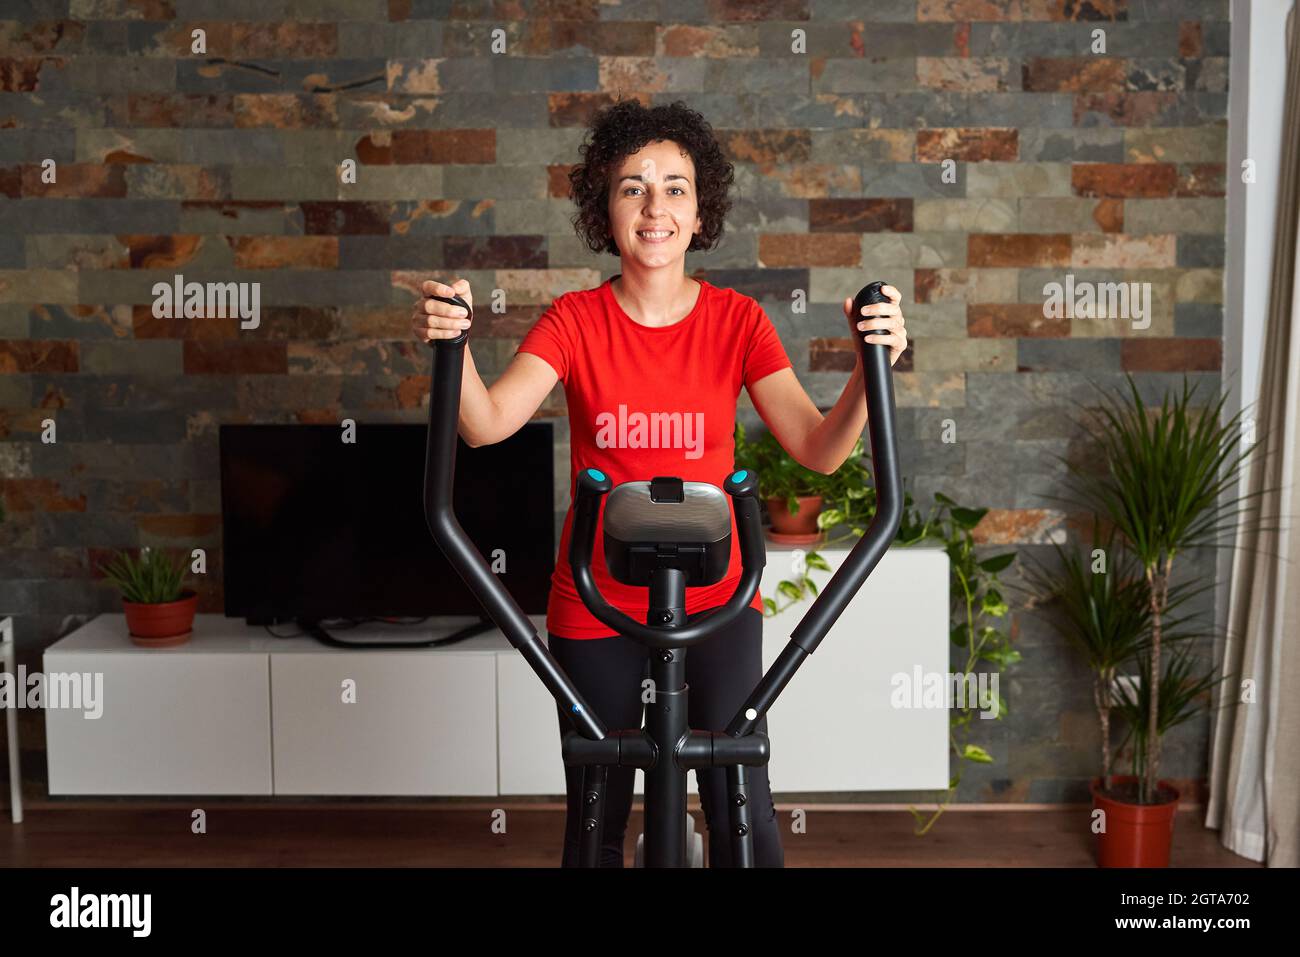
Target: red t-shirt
616, 373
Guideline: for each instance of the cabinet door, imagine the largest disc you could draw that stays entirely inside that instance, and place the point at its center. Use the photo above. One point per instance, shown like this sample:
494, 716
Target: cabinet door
169, 724
415, 723
529, 743
841, 724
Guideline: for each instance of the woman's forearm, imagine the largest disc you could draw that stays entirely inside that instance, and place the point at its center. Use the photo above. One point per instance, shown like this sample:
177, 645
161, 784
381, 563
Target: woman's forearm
829, 443
478, 412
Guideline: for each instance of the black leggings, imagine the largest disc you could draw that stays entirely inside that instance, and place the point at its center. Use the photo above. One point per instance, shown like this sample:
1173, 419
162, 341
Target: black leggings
720, 672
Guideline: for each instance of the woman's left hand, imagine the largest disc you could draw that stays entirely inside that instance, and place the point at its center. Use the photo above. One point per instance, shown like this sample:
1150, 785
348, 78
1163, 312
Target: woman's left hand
881, 315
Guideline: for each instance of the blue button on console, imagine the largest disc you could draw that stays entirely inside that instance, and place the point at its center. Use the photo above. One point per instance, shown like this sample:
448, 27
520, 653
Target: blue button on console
740, 476
597, 474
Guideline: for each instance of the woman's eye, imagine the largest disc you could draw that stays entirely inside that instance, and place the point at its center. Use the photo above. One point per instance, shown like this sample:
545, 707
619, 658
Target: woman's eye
672, 189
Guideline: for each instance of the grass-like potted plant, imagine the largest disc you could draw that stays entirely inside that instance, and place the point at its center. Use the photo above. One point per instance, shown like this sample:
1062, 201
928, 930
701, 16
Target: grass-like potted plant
793, 494
1105, 614
1164, 488
1141, 835
159, 612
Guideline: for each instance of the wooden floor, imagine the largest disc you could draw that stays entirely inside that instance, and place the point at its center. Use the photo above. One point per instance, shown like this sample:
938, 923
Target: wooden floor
368, 835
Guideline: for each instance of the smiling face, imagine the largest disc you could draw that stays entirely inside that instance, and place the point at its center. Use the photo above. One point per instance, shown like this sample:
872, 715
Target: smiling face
653, 211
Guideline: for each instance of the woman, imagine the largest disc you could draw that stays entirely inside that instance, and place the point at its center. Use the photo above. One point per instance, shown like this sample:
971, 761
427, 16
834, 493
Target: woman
652, 187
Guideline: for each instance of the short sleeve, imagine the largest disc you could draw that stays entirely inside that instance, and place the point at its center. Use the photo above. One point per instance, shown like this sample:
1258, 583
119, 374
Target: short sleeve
550, 338
764, 353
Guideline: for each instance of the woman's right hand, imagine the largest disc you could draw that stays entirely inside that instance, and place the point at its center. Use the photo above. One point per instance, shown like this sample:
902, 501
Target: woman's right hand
431, 319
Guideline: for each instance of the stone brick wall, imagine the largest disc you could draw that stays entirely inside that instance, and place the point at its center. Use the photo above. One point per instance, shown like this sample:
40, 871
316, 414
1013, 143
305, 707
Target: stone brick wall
969, 151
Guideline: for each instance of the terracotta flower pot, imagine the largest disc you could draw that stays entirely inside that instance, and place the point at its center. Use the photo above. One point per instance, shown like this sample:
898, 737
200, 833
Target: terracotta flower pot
163, 624
1136, 835
798, 529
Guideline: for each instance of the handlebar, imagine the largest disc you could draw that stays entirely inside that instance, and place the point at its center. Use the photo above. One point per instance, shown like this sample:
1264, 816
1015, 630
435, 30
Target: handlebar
742, 486
440, 515
866, 554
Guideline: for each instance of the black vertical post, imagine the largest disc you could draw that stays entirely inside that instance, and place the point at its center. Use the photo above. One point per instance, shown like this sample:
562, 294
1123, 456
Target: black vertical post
742, 820
665, 782
666, 724
594, 777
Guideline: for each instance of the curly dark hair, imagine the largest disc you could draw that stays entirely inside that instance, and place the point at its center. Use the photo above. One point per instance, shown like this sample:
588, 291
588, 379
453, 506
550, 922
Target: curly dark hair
621, 129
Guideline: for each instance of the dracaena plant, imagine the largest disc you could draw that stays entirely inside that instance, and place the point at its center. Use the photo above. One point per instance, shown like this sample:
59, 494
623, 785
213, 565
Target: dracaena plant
1102, 609
150, 579
977, 605
1166, 486
1182, 691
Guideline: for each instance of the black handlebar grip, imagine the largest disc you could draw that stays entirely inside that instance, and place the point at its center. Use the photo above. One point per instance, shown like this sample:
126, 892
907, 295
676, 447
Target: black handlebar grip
464, 333
593, 485
741, 482
593, 482
875, 358
742, 486
869, 295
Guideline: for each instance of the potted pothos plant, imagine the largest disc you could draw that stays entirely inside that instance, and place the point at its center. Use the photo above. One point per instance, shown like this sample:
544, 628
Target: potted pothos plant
1165, 485
159, 610
977, 605
792, 493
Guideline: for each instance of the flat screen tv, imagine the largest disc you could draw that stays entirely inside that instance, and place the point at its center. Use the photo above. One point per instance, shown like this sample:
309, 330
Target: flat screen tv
317, 529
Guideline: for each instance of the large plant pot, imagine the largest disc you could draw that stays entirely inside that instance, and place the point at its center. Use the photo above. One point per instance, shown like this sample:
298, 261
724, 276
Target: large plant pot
163, 624
798, 529
1136, 835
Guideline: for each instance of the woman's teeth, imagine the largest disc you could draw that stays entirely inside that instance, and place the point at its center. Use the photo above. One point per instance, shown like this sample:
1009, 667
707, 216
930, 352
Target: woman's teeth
656, 235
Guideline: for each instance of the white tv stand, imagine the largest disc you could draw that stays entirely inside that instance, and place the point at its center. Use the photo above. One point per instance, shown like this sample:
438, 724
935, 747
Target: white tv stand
238, 712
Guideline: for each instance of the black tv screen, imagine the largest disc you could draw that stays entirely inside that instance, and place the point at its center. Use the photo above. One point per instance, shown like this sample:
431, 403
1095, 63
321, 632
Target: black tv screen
318, 528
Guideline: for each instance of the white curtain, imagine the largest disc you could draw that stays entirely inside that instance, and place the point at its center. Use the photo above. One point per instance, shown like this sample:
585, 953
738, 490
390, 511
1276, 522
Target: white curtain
1255, 750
